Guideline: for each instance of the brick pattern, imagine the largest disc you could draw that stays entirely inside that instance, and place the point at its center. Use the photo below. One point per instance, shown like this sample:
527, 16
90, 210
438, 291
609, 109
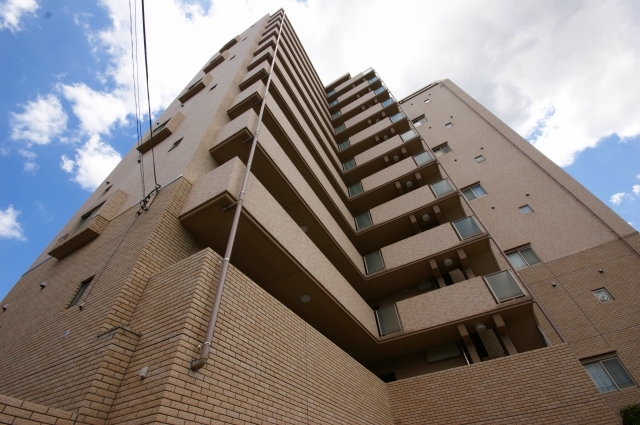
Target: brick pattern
267, 364
19, 412
538, 387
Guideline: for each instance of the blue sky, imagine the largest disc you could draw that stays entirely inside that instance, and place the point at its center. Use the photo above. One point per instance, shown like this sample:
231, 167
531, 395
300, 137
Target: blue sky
66, 109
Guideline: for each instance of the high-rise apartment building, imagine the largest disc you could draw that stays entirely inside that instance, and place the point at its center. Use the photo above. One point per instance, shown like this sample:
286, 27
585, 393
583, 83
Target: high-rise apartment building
394, 262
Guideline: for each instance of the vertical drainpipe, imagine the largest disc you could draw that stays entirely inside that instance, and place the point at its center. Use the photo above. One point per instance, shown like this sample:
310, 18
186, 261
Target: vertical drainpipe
206, 346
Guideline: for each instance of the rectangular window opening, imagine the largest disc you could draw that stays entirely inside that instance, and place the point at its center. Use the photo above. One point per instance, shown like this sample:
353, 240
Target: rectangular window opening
503, 286
473, 192
526, 209
373, 262
340, 128
479, 158
427, 101
396, 117
442, 150
467, 227
346, 166
83, 287
419, 121
175, 145
523, 257
355, 189
609, 375
602, 295
363, 221
388, 320
441, 188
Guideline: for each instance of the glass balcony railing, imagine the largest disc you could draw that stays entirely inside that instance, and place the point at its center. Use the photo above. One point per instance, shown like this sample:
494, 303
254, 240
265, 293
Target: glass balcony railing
346, 166
344, 145
330, 93
380, 90
396, 117
388, 102
388, 320
336, 115
335, 102
467, 227
355, 189
409, 135
373, 262
363, 221
374, 79
441, 188
423, 158
340, 128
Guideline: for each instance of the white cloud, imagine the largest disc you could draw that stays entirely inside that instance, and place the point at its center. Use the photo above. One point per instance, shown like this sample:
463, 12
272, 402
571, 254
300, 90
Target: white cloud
636, 189
616, 198
9, 226
30, 164
92, 163
41, 121
12, 10
97, 111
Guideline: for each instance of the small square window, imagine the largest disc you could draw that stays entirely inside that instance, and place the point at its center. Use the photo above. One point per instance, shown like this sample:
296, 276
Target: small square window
427, 101
523, 257
479, 158
346, 166
419, 121
474, 192
175, 145
467, 227
448, 125
373, 262
602, 295
409, 135
231, 58
396, 117
363, 221
526, 209
213, 87
441, 150
340, 128
609, 375
441, 188
356, 189
344, 145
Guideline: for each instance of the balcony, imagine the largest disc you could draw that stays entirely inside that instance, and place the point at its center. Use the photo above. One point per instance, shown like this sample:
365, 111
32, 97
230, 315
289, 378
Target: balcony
247, 99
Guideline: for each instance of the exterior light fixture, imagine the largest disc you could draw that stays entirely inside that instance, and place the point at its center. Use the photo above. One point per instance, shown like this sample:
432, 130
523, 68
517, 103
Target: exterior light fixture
425, 217
480, 326
396, 158
43, 284
409, 183
304, 228
5, 307
448, 262
305, 298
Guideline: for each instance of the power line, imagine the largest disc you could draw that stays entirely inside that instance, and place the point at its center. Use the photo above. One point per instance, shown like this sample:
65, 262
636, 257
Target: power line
133, 21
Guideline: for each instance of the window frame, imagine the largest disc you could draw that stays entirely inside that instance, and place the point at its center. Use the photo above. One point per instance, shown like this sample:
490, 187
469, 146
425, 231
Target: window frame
441, 149
498, 300
80, 292
351, 162
395, 309
600, 361
526, 206
462, 238
417, 122
366, 269
522, 248
470, 188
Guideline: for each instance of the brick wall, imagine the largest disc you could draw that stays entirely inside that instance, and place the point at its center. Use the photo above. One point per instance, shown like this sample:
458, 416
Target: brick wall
542, 386
266, 363
19, 412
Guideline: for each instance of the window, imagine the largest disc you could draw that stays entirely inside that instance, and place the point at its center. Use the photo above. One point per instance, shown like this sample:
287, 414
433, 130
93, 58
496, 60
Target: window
602, 295
380, 90
84, 220
448, 125
335, 102
346, 166
363, 221
340, 128
419, 121
467, 227
387, 102
344, 145
441, 188
161, 126
336, 115
523, 257
373, 80
373, 262
408, 135
503, 286
423, 158
388, 320
526, 209
356, 189
427, 101
213, 87
330, 93
609, 375
83, 287
106, 190
479, 158
397, 117
474, 192
194, 84
441, 150
175, 145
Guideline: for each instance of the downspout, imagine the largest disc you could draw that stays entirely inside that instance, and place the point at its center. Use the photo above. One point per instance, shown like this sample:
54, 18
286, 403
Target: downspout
206, 346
